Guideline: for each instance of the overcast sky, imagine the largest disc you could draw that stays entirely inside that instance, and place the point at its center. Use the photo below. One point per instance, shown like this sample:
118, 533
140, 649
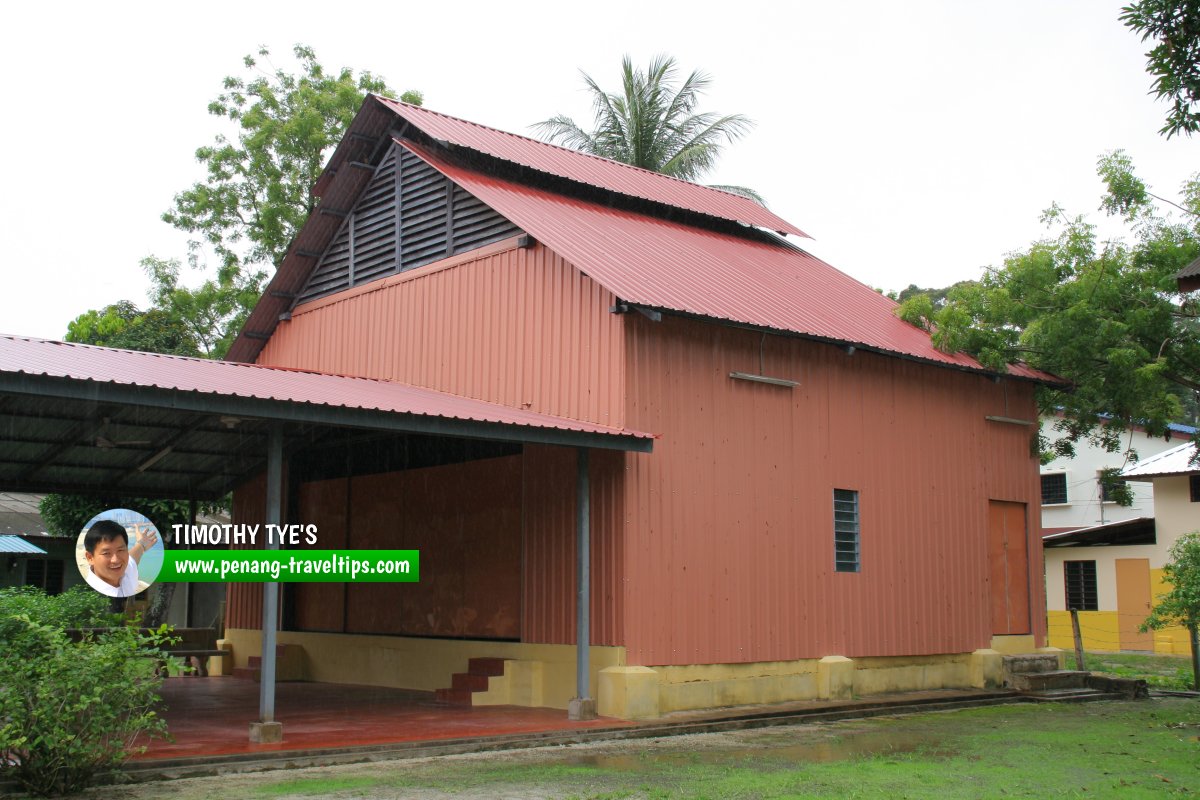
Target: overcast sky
917, 142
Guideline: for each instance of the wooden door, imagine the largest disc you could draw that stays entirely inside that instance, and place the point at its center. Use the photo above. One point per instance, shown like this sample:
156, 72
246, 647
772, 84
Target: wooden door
1133, 603
1008, 563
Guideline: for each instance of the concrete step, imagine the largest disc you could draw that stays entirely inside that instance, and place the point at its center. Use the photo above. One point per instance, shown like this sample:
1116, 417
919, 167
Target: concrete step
1071, 696
469, 682
1030, 662
248, 673
256, 661
475, 679
1046, 681
486, 666
454, 697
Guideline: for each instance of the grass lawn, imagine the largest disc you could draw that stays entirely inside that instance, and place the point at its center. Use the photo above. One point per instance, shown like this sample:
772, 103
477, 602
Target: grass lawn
1161, 672
1119, 749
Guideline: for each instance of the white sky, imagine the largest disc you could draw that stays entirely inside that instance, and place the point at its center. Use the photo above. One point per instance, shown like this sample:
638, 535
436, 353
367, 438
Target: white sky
917, 142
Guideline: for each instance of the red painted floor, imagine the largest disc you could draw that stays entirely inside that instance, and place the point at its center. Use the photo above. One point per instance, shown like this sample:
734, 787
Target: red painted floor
212, 716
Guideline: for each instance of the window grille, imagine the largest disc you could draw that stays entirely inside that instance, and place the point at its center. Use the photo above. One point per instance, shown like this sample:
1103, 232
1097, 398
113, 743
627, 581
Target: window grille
846, 556
1054, 488
1080, 578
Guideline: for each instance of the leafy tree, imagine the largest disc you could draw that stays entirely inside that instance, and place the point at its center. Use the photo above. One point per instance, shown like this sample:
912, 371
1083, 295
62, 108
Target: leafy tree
1181, 605
1106, 316
71, 710
123, 325
257, 191
937, 297
1174, 61
653, 124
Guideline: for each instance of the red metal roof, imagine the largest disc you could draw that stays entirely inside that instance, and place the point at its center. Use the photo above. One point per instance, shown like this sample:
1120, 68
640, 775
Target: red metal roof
129, 367
662, 264
591, 170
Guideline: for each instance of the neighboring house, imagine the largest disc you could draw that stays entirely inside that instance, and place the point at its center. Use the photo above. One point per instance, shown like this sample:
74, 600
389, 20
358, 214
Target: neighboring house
1111, 573
1076, 518
832, 505
1072, 496
44, 561
1188, 278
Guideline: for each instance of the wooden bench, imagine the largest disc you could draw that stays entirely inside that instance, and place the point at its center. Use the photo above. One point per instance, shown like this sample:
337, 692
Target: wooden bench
194, 646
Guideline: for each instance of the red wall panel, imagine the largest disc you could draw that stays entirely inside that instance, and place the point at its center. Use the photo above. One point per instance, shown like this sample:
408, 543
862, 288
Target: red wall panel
511, 325
729, 534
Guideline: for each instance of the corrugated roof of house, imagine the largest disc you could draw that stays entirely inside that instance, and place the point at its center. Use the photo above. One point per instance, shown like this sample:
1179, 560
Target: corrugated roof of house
591, 170
670, 266
17, 545
204, 376
1176, 461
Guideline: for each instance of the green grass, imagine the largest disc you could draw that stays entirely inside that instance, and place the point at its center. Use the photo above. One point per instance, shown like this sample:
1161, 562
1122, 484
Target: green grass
1162, 672
1120, 749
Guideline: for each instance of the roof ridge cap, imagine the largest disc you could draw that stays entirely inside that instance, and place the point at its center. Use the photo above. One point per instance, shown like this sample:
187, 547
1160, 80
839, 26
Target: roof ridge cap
606, 160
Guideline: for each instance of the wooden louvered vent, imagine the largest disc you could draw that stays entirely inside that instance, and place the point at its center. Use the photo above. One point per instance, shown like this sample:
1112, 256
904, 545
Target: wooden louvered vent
409, 201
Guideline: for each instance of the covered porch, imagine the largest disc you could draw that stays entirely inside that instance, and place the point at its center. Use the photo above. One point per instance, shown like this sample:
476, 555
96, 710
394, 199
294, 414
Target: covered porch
93, 420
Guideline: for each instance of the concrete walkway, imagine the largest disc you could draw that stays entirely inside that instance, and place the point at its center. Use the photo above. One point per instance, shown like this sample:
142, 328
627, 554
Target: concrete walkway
330, 723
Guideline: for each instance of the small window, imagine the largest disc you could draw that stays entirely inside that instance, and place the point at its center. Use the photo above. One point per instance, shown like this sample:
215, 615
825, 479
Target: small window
1194, 485
1080, 577
46, 574
1107, 491
845, 530
1054, 489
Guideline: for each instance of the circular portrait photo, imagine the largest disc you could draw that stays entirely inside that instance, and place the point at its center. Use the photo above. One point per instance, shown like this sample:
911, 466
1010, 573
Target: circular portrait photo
119, 553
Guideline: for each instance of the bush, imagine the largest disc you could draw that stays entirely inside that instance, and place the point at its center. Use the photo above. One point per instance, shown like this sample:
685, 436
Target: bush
71, 710
77, 607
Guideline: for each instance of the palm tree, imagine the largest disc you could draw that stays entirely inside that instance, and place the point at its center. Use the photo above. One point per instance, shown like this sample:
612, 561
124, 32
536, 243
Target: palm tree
653, 125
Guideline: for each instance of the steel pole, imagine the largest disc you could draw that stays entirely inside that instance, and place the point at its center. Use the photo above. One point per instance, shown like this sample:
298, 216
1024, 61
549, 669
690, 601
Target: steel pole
583, 575
266, 697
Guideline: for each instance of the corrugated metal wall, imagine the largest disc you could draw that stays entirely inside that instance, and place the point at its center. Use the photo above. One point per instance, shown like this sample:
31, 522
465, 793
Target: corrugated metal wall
512, 325
519, 327
729, 537
243, 603
548, 607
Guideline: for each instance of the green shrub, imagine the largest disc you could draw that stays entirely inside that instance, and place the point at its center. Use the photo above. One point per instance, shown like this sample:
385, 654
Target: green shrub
71, 710
77, 607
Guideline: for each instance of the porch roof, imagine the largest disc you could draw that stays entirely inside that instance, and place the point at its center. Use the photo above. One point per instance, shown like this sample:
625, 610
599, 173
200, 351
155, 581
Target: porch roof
78, 418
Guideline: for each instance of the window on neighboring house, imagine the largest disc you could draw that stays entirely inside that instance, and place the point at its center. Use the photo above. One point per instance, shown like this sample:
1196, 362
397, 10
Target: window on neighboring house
845, 530
1194, 485
1080, 577
1054, 488
45, 573
1107, 492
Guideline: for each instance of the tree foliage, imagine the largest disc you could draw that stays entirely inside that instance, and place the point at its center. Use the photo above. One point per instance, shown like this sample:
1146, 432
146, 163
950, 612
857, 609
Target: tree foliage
123, 325
1174, 61
1181, 605
653, 123
71, 710
1106, 316
257, 189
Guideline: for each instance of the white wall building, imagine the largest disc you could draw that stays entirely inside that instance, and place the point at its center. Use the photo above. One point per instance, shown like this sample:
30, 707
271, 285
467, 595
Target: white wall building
1071, 494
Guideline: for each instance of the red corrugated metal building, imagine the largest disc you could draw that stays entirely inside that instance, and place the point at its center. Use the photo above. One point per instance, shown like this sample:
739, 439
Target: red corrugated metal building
832, 504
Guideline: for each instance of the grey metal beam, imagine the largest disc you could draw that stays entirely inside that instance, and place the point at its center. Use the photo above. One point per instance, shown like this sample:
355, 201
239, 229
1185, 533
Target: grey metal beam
582, 706
270, 619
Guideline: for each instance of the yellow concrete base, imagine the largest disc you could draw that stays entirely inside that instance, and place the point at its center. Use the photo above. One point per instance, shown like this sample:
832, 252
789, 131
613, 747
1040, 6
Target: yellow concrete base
628, 693
222, 666
544, 675
535, 675
1014, 645
987, 668
835, 678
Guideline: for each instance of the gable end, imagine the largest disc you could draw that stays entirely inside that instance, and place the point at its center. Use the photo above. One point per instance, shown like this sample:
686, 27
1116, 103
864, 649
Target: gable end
409, 203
